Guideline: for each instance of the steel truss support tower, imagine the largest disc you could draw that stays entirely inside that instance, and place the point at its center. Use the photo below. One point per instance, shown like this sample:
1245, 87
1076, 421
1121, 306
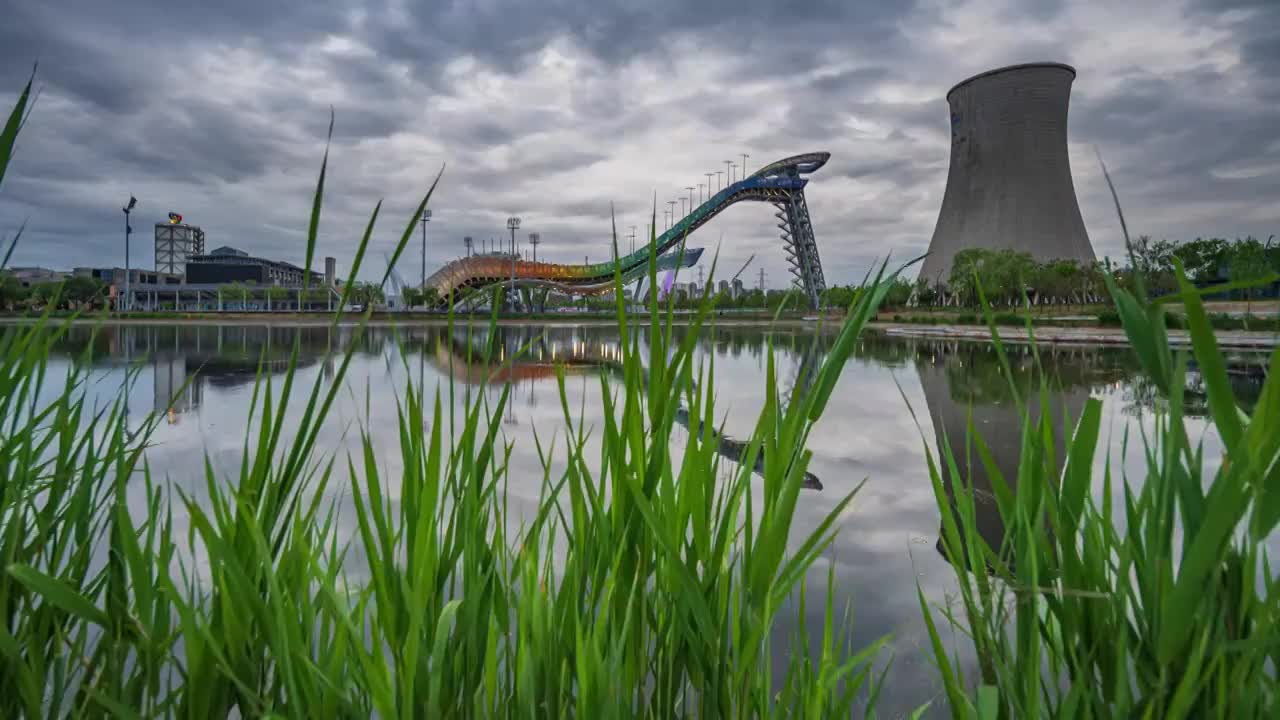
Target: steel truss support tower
801, 247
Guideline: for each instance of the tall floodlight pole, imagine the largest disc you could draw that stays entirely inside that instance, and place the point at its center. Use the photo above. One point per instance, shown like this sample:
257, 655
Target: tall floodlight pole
513, 224
467, 241
534, 239
708, 175
633, 239
690, 188
701, 187
683, 211
728, 171
744, 165
719, 180
672, 224
128, 230
426, 217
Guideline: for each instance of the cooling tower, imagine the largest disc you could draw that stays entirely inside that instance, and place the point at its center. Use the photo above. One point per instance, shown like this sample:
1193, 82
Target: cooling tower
1009, 185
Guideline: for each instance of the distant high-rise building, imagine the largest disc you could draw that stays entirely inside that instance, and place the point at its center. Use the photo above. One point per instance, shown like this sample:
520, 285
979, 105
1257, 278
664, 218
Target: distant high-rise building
175, 244
738, 288
330, 271
1009, 184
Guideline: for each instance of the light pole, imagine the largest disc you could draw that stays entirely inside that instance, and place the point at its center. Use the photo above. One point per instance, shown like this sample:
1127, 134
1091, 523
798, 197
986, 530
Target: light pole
128, 230
744, 165
633, 240
719, 180
700, 193
672, 223
534, 239
683, 212
426, 217
467, 241
513, 224
708, 175
690, 188
728, 170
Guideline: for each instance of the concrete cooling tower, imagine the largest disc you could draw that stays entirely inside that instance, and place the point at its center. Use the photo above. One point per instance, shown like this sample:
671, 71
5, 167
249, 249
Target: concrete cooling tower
1009, 185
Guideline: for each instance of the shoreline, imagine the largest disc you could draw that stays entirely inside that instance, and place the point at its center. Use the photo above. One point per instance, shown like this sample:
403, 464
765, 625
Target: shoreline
1045, 334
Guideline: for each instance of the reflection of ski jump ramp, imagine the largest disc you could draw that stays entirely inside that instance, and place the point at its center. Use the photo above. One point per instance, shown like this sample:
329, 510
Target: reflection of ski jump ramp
453, 357
779, 184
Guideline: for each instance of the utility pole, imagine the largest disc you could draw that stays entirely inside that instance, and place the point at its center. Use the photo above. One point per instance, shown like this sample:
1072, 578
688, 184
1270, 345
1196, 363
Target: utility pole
426, 217
513, 224
534, 239
128, 230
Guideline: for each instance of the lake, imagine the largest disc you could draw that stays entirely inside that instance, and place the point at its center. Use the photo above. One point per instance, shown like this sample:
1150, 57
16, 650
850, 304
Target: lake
200, 378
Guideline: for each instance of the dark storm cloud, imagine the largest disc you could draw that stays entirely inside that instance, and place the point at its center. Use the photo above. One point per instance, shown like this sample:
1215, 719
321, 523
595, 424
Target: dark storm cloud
569, 105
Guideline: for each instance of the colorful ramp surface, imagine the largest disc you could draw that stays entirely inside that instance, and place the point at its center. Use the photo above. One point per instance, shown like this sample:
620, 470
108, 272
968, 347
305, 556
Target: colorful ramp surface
778, 183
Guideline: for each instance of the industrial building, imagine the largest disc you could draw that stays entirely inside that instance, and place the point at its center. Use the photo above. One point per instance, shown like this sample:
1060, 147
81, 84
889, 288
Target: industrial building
227, 265
1009, 184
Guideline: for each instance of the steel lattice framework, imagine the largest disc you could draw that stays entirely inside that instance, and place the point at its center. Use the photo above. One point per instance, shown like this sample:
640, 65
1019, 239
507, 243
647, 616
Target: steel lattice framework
780, 184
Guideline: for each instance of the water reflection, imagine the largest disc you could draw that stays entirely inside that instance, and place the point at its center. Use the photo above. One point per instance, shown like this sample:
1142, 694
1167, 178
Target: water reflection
867, 432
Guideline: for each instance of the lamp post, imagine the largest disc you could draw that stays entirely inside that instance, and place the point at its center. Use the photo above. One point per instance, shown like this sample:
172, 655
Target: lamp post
513, 224
128, 230
690, 188
719, 179
672, 223
728, 170
700, 193
683, 211
534, 239
633, 240
708, 176
744, 165
467, 241
426, 217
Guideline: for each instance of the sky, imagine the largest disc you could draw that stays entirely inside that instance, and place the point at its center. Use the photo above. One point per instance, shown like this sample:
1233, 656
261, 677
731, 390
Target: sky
562, 112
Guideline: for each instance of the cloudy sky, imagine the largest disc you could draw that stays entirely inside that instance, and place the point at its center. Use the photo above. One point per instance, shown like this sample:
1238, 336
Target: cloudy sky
556, 109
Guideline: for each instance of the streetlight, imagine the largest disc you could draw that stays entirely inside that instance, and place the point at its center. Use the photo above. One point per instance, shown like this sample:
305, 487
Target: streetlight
728, 170
671, 224
633, 239
513, 224
534, 239
708, 175
426, 217
744, 165
700, 188
690, 188
719, 179
467, 241
683, 212
128, 229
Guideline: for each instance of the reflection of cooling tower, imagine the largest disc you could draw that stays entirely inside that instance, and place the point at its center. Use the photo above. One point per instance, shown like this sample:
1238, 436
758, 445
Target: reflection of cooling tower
951, 395
1009, 186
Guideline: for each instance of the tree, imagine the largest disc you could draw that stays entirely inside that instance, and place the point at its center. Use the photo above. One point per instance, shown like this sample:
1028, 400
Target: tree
411, 297
12, 293
1248, 263
365, 293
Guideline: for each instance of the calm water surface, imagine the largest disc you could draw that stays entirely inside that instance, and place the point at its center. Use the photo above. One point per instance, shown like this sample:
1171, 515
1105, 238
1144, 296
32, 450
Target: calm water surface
200, 378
